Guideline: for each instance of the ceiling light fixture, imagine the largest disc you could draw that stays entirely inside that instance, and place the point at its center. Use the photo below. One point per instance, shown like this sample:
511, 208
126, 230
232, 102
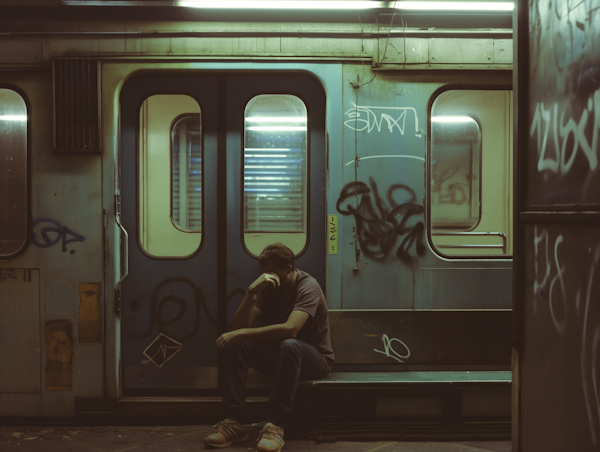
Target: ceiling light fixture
451, 119
348, 5
13, 118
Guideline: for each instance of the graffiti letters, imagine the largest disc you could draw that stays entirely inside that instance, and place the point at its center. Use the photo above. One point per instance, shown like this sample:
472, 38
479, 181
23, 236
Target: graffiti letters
564, 108
569, 306
50, 232
388, 349
169, 304
555, 290
162, 349
370, 118
380, 222
564, 132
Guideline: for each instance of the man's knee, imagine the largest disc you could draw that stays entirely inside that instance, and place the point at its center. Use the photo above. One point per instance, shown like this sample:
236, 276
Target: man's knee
289, 347
239, 348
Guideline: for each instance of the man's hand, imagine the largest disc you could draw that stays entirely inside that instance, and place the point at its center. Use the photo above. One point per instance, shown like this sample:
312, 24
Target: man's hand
228, 340
264, 281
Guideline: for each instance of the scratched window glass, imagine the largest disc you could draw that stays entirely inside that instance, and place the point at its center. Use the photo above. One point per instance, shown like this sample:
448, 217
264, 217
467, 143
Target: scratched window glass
275, 179
170, 177
471, 172
13, 173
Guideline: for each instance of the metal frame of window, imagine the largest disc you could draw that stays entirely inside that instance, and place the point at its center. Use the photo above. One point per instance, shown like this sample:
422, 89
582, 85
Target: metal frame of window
28, 235
301, 180
430, 233
174, 124
137, 181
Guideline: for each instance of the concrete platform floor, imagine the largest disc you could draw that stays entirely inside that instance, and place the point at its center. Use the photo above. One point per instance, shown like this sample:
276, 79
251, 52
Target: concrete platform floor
189, 438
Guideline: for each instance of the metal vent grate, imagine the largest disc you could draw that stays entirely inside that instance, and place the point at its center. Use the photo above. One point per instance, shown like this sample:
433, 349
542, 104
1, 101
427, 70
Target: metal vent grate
76, 125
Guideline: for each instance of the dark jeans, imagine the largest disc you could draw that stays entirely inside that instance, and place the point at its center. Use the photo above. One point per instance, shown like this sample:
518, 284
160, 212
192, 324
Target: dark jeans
287, 361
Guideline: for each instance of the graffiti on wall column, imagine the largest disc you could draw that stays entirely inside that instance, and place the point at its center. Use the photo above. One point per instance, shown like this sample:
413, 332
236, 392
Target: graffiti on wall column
382, 222
566, 272
564, 101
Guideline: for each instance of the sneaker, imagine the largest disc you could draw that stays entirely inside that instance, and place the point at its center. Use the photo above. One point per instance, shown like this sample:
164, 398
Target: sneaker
225, 433
270, 438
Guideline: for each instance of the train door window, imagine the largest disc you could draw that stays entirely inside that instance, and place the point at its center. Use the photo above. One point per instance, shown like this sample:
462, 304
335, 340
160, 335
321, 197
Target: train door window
13, 173
186, 171
275, 178
170, 176
471, 172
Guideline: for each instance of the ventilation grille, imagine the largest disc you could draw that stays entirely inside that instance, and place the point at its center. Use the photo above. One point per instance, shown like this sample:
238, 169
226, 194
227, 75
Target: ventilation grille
76, 125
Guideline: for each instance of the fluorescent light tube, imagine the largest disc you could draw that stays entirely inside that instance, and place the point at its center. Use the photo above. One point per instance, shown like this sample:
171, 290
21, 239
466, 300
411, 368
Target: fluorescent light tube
455, 6
347, 5
13, 118
277, 119
451, 119
276, 128
282, 4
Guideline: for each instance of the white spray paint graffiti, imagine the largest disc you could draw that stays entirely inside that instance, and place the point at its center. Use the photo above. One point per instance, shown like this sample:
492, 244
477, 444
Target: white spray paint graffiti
546, 120
388, 349
589, 362
356, 160
368, 118
550, 278
537, 285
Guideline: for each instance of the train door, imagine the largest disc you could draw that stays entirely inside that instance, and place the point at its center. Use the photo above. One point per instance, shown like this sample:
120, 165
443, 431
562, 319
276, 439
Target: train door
214, 166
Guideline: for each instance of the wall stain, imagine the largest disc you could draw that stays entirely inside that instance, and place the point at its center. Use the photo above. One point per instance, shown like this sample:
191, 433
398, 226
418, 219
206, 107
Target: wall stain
90, 313
58, 336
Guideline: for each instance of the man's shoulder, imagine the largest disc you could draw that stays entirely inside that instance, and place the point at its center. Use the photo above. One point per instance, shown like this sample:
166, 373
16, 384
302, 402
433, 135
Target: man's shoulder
305, 278
306, 282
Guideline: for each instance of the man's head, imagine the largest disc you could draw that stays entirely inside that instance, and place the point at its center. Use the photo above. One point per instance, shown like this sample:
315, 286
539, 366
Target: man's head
279, 259
277, 255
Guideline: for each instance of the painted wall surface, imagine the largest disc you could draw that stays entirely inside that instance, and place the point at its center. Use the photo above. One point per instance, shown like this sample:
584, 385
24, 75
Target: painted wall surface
388, 262
73, 211
564, 103
66, 253
559, 356
562, 334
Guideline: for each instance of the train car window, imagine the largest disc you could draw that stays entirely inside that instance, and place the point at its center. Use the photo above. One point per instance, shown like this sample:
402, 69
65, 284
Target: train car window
275, 175
13, 173
186, 168
170, 176
471, 172
455, 172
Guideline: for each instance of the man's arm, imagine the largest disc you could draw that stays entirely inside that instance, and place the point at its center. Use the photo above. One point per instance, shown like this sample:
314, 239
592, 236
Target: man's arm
277, 332
247, 313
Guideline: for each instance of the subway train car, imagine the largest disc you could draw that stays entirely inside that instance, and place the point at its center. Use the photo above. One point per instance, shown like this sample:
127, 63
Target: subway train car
149, 151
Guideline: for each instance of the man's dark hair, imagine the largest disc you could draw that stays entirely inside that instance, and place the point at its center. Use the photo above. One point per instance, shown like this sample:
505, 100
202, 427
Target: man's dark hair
277, 255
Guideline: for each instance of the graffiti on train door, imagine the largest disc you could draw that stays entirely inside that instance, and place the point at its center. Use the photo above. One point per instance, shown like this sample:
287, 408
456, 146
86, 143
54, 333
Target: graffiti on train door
382, 221
162, 349
171, 301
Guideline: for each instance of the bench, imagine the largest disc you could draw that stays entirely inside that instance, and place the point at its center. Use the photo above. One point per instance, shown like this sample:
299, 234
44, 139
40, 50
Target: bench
451, 397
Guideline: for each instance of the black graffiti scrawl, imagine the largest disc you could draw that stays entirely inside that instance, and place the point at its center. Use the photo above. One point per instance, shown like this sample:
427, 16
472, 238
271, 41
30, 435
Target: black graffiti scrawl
169, 307
381, 222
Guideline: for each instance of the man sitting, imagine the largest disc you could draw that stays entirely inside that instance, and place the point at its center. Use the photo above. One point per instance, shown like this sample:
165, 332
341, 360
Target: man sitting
292, 343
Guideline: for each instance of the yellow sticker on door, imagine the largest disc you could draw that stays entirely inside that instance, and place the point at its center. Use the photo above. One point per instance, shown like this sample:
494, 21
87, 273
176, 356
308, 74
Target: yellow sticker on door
332, 234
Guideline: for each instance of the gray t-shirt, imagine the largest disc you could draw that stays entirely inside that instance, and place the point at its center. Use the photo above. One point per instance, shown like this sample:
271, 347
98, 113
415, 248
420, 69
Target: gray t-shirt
307, 297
